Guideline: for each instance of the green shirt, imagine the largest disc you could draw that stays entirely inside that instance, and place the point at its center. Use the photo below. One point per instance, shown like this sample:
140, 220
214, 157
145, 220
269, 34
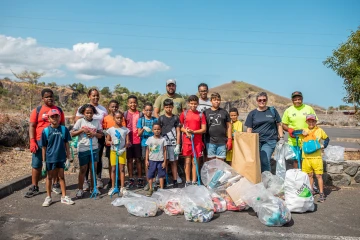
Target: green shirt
179, 103
295, 118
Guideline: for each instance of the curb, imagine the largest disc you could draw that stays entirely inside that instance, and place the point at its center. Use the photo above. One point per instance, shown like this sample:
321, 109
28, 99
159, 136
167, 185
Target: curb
14, 185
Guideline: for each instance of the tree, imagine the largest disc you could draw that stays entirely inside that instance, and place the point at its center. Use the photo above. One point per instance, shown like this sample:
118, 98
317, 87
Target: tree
345, 62
31, 79
105, 91
52, 85
78, 87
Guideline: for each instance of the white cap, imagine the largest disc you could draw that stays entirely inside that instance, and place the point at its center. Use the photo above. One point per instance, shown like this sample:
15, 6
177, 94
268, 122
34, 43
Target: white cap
169, 81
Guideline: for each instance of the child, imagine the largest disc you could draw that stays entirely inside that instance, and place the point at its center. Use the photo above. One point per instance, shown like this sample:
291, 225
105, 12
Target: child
144, 126
117, 144
55, 150
193, 123
170, 130
133, 153
155, 157
312, 162
87, 128
218, 129
236, 126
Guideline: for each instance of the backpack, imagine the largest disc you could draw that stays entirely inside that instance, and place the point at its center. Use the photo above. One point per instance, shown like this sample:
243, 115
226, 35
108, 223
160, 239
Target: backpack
161, 122
38, 109
310, 143
47, 130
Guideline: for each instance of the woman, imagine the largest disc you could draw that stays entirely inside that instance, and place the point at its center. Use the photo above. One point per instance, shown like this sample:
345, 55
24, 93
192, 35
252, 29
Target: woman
94, 96
266, 122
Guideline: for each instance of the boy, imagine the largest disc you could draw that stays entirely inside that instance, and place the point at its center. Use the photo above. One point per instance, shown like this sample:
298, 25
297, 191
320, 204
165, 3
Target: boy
38, 121
144, 126
236, 126
55, 150
193, 123
155, 157
312, 162
170, 130
218, 129
133, 153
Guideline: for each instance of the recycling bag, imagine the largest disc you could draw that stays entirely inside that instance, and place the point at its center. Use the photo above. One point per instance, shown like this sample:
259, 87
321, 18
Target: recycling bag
298, 196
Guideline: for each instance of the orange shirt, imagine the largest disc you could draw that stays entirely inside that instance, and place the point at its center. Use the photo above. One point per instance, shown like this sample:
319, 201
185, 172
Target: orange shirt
109, 122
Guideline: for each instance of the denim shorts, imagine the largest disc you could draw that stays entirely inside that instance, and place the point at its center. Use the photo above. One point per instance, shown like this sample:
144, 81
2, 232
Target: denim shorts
156, 165
53, 166
216, 150
85, 157
36, 159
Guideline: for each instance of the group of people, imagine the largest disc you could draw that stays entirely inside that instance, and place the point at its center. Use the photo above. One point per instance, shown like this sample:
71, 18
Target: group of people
154, 137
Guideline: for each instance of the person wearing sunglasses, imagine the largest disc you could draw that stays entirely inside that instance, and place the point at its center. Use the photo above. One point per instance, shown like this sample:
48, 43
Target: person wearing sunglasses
266, 122
204, 101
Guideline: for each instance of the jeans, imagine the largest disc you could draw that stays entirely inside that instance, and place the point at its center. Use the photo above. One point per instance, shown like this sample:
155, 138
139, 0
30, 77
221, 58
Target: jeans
266, 150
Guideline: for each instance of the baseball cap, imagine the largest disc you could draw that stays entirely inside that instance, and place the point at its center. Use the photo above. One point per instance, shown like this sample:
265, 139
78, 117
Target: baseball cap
296, 94
311, 117
169, 81
53, 112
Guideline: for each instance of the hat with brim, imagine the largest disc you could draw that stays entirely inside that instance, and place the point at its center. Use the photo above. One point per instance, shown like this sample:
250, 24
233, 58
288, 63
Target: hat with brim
296, 94
311, 117
170, 81
53, 112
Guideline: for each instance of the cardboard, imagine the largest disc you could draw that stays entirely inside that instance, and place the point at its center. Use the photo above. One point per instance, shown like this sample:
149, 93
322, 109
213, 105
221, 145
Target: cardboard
234, 191
246, 156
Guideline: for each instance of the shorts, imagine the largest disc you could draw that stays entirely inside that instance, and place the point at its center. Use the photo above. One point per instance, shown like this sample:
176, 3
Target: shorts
36, 159
53, 166
170, 154
187, 149
85, 157
156, 165
134, 151
122, 158
310, 165
107, 151
216, 150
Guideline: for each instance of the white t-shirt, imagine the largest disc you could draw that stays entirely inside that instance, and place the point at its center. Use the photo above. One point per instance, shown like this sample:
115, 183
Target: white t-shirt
123, 132
102, 112
84, 141
203, 105
156, 148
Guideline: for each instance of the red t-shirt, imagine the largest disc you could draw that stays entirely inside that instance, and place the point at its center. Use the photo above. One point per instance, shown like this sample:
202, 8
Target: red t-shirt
43, 121
194, 122
131, 122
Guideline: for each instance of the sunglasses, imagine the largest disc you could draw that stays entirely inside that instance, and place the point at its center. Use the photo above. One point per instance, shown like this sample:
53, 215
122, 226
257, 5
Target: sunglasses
262, 100
203, 91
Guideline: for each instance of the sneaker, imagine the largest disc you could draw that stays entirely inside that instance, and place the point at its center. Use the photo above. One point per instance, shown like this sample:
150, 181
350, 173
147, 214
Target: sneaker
130, 183
187, 184
33, 191
315, 190
56, 188
67, 200
99, 183
149, 193
86, 186
111, 191
147, 187
194, 183
140, 183
123, 190
79, 193
322, 198
47, 202
179, 180
175, 184
108, 185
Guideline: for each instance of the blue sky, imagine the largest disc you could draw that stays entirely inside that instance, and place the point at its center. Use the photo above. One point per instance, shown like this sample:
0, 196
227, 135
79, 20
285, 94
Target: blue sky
276, 45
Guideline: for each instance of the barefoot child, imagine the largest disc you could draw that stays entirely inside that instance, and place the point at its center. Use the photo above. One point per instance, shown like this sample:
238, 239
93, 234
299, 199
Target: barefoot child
236, 126
87, 128
155, 159
55, 150
117, 144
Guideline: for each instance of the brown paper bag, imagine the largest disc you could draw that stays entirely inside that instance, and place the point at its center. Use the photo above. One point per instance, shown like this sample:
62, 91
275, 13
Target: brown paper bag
246, 156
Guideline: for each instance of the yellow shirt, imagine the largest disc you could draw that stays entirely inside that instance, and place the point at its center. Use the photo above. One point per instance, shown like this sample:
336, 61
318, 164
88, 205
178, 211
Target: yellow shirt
295, 118
236, 127
320, 134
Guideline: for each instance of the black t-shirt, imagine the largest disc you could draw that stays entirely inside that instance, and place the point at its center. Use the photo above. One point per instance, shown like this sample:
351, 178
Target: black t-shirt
264, 123
216, 125
168, 128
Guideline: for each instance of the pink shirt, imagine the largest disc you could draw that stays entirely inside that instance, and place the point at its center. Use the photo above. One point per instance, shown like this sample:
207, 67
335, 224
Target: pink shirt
131, 121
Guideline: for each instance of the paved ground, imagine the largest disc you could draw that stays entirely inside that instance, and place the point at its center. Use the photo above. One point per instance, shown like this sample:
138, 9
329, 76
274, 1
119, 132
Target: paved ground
20, 218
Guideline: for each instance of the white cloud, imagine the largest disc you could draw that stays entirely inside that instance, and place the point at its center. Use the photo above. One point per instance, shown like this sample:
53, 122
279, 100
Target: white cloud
86, 60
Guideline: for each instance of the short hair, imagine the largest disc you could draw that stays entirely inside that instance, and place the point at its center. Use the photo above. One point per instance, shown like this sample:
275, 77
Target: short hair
234, 110
148, 104
119, 112
203, 85
156, 124
215, 95
46, 90
132, 97
261, 94
168, 102
92, 90
85, 106
193, 98
113, 101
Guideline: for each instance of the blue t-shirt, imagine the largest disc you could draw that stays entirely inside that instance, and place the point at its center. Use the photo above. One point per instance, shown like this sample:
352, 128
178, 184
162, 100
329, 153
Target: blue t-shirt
148, 123
55, 144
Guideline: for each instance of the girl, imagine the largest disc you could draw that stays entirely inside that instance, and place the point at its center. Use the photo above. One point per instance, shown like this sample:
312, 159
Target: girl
237, 126
118, 148
87, 128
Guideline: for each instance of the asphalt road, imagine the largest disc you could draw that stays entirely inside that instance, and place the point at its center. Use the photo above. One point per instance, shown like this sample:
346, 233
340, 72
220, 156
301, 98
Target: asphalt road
21, 218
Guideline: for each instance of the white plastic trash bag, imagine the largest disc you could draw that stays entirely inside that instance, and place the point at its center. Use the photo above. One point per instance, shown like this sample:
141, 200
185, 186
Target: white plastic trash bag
273, 183
334, 154
298, 196
282, 152
169, 201
137, 205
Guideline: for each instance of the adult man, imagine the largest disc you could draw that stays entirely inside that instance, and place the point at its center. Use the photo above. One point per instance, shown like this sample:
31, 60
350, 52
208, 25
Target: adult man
179, 101
204, 101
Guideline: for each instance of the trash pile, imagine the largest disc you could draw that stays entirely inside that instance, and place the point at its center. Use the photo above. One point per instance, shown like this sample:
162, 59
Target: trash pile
273, 198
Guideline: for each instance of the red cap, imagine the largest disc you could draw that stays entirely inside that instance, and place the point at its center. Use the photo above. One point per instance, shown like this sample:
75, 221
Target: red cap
53, 112
311, 117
